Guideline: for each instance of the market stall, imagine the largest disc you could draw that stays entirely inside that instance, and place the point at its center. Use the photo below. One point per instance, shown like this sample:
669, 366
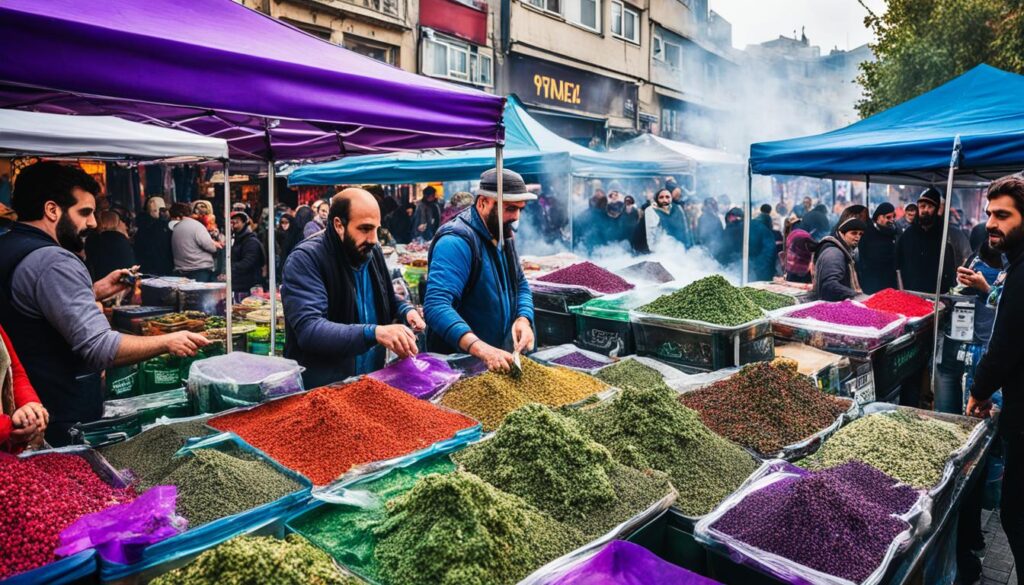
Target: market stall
273, 92
965, 132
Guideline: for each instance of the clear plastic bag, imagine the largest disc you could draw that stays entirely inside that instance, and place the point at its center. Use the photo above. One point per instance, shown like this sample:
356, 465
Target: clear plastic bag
624, 563
422, 375
242, 379
120, 533
779, 567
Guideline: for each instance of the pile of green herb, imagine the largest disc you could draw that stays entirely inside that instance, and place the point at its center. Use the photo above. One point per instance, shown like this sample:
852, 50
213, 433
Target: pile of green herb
711, 299
456, 529
909, 447
149, 454
631, 374
549, 461
346, 532
260, 559
213, 484
650, 429
767, 300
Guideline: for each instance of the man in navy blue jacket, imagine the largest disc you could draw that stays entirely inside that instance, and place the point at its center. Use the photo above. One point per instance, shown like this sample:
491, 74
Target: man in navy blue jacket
339, 304
478, 300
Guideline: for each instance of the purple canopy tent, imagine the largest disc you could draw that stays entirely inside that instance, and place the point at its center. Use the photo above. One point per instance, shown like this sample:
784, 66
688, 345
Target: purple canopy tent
217, 68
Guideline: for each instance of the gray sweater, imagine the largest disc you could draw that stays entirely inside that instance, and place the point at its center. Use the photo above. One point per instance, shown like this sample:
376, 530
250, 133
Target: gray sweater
192, 246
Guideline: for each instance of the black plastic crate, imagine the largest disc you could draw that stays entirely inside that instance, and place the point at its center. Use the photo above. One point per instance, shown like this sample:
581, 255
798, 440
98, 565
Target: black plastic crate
605, 335
701, 348
559, 300
670, 536
900, 360
554, 328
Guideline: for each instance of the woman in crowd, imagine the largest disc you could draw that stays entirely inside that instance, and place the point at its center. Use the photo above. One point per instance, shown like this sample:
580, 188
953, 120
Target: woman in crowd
23, 419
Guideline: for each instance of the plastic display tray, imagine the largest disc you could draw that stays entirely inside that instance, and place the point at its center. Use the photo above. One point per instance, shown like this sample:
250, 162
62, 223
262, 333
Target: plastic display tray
554, 328
700, 346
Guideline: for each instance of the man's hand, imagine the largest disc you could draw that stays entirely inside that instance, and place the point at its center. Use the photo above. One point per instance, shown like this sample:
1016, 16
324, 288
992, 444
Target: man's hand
110, 285
184, 343
398, 338
522, 335
218, 244
422, 227
415, 320
979, 408
31, 415
495, 359
972, 279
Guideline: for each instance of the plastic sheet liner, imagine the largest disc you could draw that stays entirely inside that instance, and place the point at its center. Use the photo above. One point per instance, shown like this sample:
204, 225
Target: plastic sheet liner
119, 533
149, 407
781, 568
188, 544
790, 452
825, 335
625, 563
80, 565
550, 354
422, 375
242, 379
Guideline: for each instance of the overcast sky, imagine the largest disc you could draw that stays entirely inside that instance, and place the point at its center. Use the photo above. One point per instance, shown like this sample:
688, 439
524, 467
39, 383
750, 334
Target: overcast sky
829, 23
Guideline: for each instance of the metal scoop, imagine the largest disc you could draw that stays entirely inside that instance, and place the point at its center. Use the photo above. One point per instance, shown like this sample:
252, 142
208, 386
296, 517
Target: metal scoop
517, 366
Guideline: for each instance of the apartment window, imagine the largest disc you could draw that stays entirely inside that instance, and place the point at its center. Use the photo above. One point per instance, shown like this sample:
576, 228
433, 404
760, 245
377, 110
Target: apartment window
669, 118
583, 12
389, 7
451, 59
480, 69
554, 6
625, 22
668, 52
379, 51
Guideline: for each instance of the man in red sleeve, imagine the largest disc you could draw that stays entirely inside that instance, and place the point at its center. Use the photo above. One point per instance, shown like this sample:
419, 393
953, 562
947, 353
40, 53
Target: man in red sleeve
23, 420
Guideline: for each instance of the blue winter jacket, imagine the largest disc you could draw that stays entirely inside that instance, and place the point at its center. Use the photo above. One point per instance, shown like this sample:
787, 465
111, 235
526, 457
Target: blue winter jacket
454, 306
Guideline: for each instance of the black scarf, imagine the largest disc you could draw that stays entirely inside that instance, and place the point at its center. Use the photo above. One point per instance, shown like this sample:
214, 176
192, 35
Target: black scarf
339, 278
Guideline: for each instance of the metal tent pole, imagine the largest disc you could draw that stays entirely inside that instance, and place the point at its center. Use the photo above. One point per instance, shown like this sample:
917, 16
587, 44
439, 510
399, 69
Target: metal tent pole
867, 192
499, 160
273, 258
746, 229
569, 207
229, 341
833, 193
954, 161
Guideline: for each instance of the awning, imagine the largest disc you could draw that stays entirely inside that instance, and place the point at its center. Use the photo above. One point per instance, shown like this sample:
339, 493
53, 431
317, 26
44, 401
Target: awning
106, 137
217, 68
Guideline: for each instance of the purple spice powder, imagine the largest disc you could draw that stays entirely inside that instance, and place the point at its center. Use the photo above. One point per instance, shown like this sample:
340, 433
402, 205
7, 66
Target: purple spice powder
578, 360
838, 521
589, 275
846, 313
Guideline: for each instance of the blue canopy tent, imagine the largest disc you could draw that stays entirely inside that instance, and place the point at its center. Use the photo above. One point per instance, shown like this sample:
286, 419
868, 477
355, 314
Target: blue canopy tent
530, 148
911, 143
969, 130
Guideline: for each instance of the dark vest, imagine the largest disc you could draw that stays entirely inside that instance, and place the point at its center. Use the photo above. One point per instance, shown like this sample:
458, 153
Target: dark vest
65, 386
336, 274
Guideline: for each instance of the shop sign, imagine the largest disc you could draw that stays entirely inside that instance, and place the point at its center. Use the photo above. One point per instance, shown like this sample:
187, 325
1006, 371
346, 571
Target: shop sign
544, 83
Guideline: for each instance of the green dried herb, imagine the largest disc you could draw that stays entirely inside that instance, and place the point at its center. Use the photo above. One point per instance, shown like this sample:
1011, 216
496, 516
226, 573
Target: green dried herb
491, 396
767, 300
457, 530
213, 484
149, 454
631, 374
650, 429
346, 532
549, 461
711, 299
909, 447
253, 560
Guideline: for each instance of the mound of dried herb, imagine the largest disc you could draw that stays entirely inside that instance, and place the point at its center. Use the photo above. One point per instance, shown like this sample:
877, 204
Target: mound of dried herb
711, 299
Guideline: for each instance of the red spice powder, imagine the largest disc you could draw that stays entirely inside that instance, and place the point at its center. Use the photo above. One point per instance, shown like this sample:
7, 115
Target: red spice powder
897, 301
323, 433
41, 496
